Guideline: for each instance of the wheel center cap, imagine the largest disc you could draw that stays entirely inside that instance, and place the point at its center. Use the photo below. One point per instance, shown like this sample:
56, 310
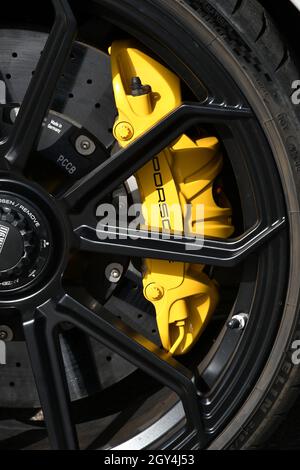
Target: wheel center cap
11, 247
25, 242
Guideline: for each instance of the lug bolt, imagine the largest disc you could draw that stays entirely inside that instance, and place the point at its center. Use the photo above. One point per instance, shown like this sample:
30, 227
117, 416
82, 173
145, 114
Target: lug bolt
154, 292
85, 146
123, 131
238, 322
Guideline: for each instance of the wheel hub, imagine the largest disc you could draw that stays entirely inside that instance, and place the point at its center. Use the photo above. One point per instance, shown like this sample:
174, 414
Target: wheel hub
26, 240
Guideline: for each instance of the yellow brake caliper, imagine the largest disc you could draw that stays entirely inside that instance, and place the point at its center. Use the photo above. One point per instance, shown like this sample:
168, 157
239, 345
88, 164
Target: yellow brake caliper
184, 297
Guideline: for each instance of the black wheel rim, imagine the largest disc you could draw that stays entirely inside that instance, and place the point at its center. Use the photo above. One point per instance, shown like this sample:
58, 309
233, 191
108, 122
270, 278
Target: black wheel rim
45, 305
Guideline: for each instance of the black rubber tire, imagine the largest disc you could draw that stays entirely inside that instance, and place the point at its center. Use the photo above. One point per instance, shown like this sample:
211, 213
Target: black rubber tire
245, 32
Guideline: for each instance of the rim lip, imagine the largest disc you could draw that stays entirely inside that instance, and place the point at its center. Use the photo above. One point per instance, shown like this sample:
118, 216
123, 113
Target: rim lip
52, 216
245, 94
172, 418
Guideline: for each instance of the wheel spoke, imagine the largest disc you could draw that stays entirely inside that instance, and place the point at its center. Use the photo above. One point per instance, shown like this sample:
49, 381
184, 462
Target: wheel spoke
143, 244
125, 163
42, 86
42, 340
140, 352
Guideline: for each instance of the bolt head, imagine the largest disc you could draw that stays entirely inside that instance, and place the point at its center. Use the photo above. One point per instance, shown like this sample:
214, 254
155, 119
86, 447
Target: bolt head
85, 145
154, 292
123, 131
6, 334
